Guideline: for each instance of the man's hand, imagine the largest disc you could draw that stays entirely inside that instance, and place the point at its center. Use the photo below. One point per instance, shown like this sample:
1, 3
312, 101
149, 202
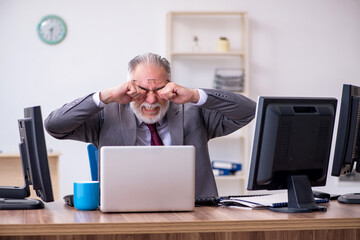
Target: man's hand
178, 94
123, 94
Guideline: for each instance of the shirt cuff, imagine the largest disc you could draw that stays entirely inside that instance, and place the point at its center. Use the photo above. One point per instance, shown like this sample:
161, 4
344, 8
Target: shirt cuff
97, 101
203, 97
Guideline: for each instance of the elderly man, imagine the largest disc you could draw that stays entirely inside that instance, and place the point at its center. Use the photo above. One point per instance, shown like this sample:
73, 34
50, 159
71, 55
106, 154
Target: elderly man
125, 115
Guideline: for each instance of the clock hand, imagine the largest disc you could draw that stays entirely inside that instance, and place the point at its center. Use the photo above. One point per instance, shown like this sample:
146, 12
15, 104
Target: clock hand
51, 33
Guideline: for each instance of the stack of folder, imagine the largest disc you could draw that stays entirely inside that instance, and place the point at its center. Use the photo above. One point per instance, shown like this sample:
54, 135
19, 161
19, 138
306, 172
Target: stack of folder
231, 79
222, 168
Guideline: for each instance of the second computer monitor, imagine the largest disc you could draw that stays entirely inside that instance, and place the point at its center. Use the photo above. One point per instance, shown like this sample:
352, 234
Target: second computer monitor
291, 148
347, 148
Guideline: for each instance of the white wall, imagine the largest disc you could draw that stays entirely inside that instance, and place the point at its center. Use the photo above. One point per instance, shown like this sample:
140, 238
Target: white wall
298, 48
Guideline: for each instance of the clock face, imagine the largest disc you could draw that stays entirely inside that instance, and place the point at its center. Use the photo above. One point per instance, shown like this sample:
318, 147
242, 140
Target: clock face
51, 29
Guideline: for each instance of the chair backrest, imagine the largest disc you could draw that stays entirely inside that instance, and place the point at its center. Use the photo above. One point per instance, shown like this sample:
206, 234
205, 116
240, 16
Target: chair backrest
93, 153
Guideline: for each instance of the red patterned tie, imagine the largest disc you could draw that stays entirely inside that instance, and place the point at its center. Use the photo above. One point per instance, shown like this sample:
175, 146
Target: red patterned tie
155, 138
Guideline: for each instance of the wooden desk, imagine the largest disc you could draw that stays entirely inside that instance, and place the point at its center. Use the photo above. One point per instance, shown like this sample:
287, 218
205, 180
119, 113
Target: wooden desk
58, 221
11, 173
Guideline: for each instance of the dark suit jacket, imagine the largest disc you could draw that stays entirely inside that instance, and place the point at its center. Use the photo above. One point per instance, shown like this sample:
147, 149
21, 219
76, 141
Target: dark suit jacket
115, 125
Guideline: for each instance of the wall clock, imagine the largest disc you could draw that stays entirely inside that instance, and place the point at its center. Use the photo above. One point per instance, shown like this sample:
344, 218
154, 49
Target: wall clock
51, 29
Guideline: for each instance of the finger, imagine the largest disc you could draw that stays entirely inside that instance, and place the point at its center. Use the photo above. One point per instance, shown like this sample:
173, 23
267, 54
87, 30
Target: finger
170, 96
135, 92
167, 94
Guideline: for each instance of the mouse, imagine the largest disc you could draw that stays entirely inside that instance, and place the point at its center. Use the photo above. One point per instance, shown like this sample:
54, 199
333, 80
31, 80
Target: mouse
69, 200
318, 194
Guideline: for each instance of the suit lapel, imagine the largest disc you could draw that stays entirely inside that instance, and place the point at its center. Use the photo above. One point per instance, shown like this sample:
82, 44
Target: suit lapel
129, 128
175, 116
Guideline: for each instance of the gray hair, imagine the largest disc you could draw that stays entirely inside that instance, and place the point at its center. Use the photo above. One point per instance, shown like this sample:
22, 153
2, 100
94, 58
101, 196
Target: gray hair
149, 58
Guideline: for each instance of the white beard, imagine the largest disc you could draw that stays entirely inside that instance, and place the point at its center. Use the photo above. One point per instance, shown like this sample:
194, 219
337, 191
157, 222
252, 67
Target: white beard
153, 119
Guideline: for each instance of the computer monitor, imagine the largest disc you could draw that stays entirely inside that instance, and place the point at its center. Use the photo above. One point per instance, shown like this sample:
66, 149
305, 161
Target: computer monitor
347, 148
35, 165
291, 148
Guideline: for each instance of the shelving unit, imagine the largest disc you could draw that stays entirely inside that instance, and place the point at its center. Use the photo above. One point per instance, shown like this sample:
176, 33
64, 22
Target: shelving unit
192, 50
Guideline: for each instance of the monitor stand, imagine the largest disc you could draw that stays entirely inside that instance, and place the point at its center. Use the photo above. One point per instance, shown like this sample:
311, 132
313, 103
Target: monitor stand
300, 196
15, 198
350, 198
12, 198
20, 204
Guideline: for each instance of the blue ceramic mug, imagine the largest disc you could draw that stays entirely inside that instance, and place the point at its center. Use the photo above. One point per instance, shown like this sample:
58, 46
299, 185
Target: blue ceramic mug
86, 195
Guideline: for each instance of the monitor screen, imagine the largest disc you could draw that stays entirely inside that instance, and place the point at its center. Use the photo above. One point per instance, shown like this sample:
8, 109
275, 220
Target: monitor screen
35, 165
347, 148
291, 148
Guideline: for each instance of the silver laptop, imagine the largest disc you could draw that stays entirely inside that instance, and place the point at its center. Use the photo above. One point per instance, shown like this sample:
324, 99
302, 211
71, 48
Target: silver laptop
147, 179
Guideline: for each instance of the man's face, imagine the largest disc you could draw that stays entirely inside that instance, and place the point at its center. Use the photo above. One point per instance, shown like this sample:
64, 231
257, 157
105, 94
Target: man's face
151, 108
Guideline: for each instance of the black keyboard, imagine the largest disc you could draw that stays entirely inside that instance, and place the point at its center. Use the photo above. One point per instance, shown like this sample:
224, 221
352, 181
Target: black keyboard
207, 201
214, 201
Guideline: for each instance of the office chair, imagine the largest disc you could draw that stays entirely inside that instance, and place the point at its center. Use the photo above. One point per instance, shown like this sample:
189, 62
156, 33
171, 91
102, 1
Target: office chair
93, 153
